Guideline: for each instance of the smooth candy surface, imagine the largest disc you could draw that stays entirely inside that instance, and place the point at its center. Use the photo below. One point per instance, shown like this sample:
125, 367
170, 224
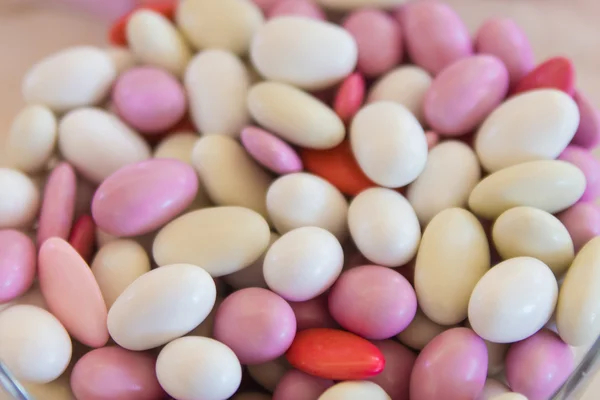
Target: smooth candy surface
178, 146
503, 38
463, 94
537, 366
258, 317
116, 373
296, 385
304, 52
141, 197
83, 236
335, 354
149, 99
531, 290
589, 165
378, 314
536, 125
344, 5
421, 331
19, 199
492, 389
252, 275
117, 34
160, 306
588, 133
349, 97
582, 220
557, 73
435, 36
71, 292
452, 366
58, 206
313, 313
198, 368
395, 377
270, 151
355, 390
17, 264
304, 8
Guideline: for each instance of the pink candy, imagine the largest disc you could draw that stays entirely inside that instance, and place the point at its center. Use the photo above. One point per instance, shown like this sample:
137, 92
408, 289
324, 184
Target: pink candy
588, 133
582, 221
589, 165
296, 385
301, 8
17, 264
270, 151
399, 362
313, 314
350, 97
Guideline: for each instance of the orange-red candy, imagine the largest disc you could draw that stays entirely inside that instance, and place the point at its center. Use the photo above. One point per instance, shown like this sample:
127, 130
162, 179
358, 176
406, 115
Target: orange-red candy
555, 73
335, 354
83, 236
116, 33
338, 166
350, 97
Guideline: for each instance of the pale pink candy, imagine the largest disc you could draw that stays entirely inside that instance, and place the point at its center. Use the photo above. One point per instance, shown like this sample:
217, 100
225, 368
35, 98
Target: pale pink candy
72, 293
432, 139
588, 133
17, 264
464, 94
270, 151
299, 8
399, 362
265, 5
434, 34
539, 365
589, 165
296, 385
379, 41
58, 207
139, 198
502, 37
582, 220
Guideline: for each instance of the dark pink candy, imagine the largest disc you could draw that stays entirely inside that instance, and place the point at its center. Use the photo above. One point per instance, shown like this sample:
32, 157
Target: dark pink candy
399, 362
588, 133
350, 97
589, 165
556, 73
296, 385
270, 151
582, 220
313, 314
17, 264
301, 8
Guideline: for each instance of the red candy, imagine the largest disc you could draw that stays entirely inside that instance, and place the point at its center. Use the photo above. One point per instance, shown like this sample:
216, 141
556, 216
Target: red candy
350, 97
556, 73
117, 33
335, 354
83, 236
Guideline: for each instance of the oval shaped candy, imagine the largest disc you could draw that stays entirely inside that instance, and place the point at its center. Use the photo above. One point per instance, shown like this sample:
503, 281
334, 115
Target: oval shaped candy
582, 220
205, 238
83, 236
420, 331
389, 144
334, 354
532, 289
117, 34
301, 8
557, 73
345, 5
270, 151
349, 97
178, 146
17, 264
75, 77
304, 52
464, 93
19, 199
588, 133
355, 390
589, 165
536, 125
399, 362
296, 385
252, 275
549, 185
452, 257
160, 306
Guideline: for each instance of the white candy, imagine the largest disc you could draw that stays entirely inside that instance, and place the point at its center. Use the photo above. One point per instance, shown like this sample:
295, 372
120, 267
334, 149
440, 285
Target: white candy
19, 199
355, 390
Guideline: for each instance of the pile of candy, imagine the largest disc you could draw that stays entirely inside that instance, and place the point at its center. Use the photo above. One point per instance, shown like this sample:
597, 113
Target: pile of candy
240, 200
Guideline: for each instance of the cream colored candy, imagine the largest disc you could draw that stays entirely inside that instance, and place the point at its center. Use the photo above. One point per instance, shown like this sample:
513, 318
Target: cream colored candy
217, 84
178, 146
97, 143
295, 115
251, 276
384, 227
420, 331
303, 263
160, 306
221, 240
355, 390
346, 5
117, 265
198, 368
536, 125
405, 85
528, 231
103, 238
491, 389
510, 396
453, 255
32, 138
496, 355
579, 299
549, 185
223, 24
19, 199
75, 77
122, 58
59, 389
513, 300
303, 52
451, 172
34, 345
230, 176
155, 41
303, 199
388, 143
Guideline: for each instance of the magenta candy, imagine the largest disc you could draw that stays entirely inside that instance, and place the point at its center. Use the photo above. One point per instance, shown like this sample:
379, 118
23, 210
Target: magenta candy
313, 313
256, 324
17, 264
537, 366
300, 8
382, 301
117, 374
434, 34
58, 207
399, 362
379, 41
588, 133
464, 94
582, 220
149, 99
296, 385
589, 165
453, 366
141, 197
270, 151
502, 37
